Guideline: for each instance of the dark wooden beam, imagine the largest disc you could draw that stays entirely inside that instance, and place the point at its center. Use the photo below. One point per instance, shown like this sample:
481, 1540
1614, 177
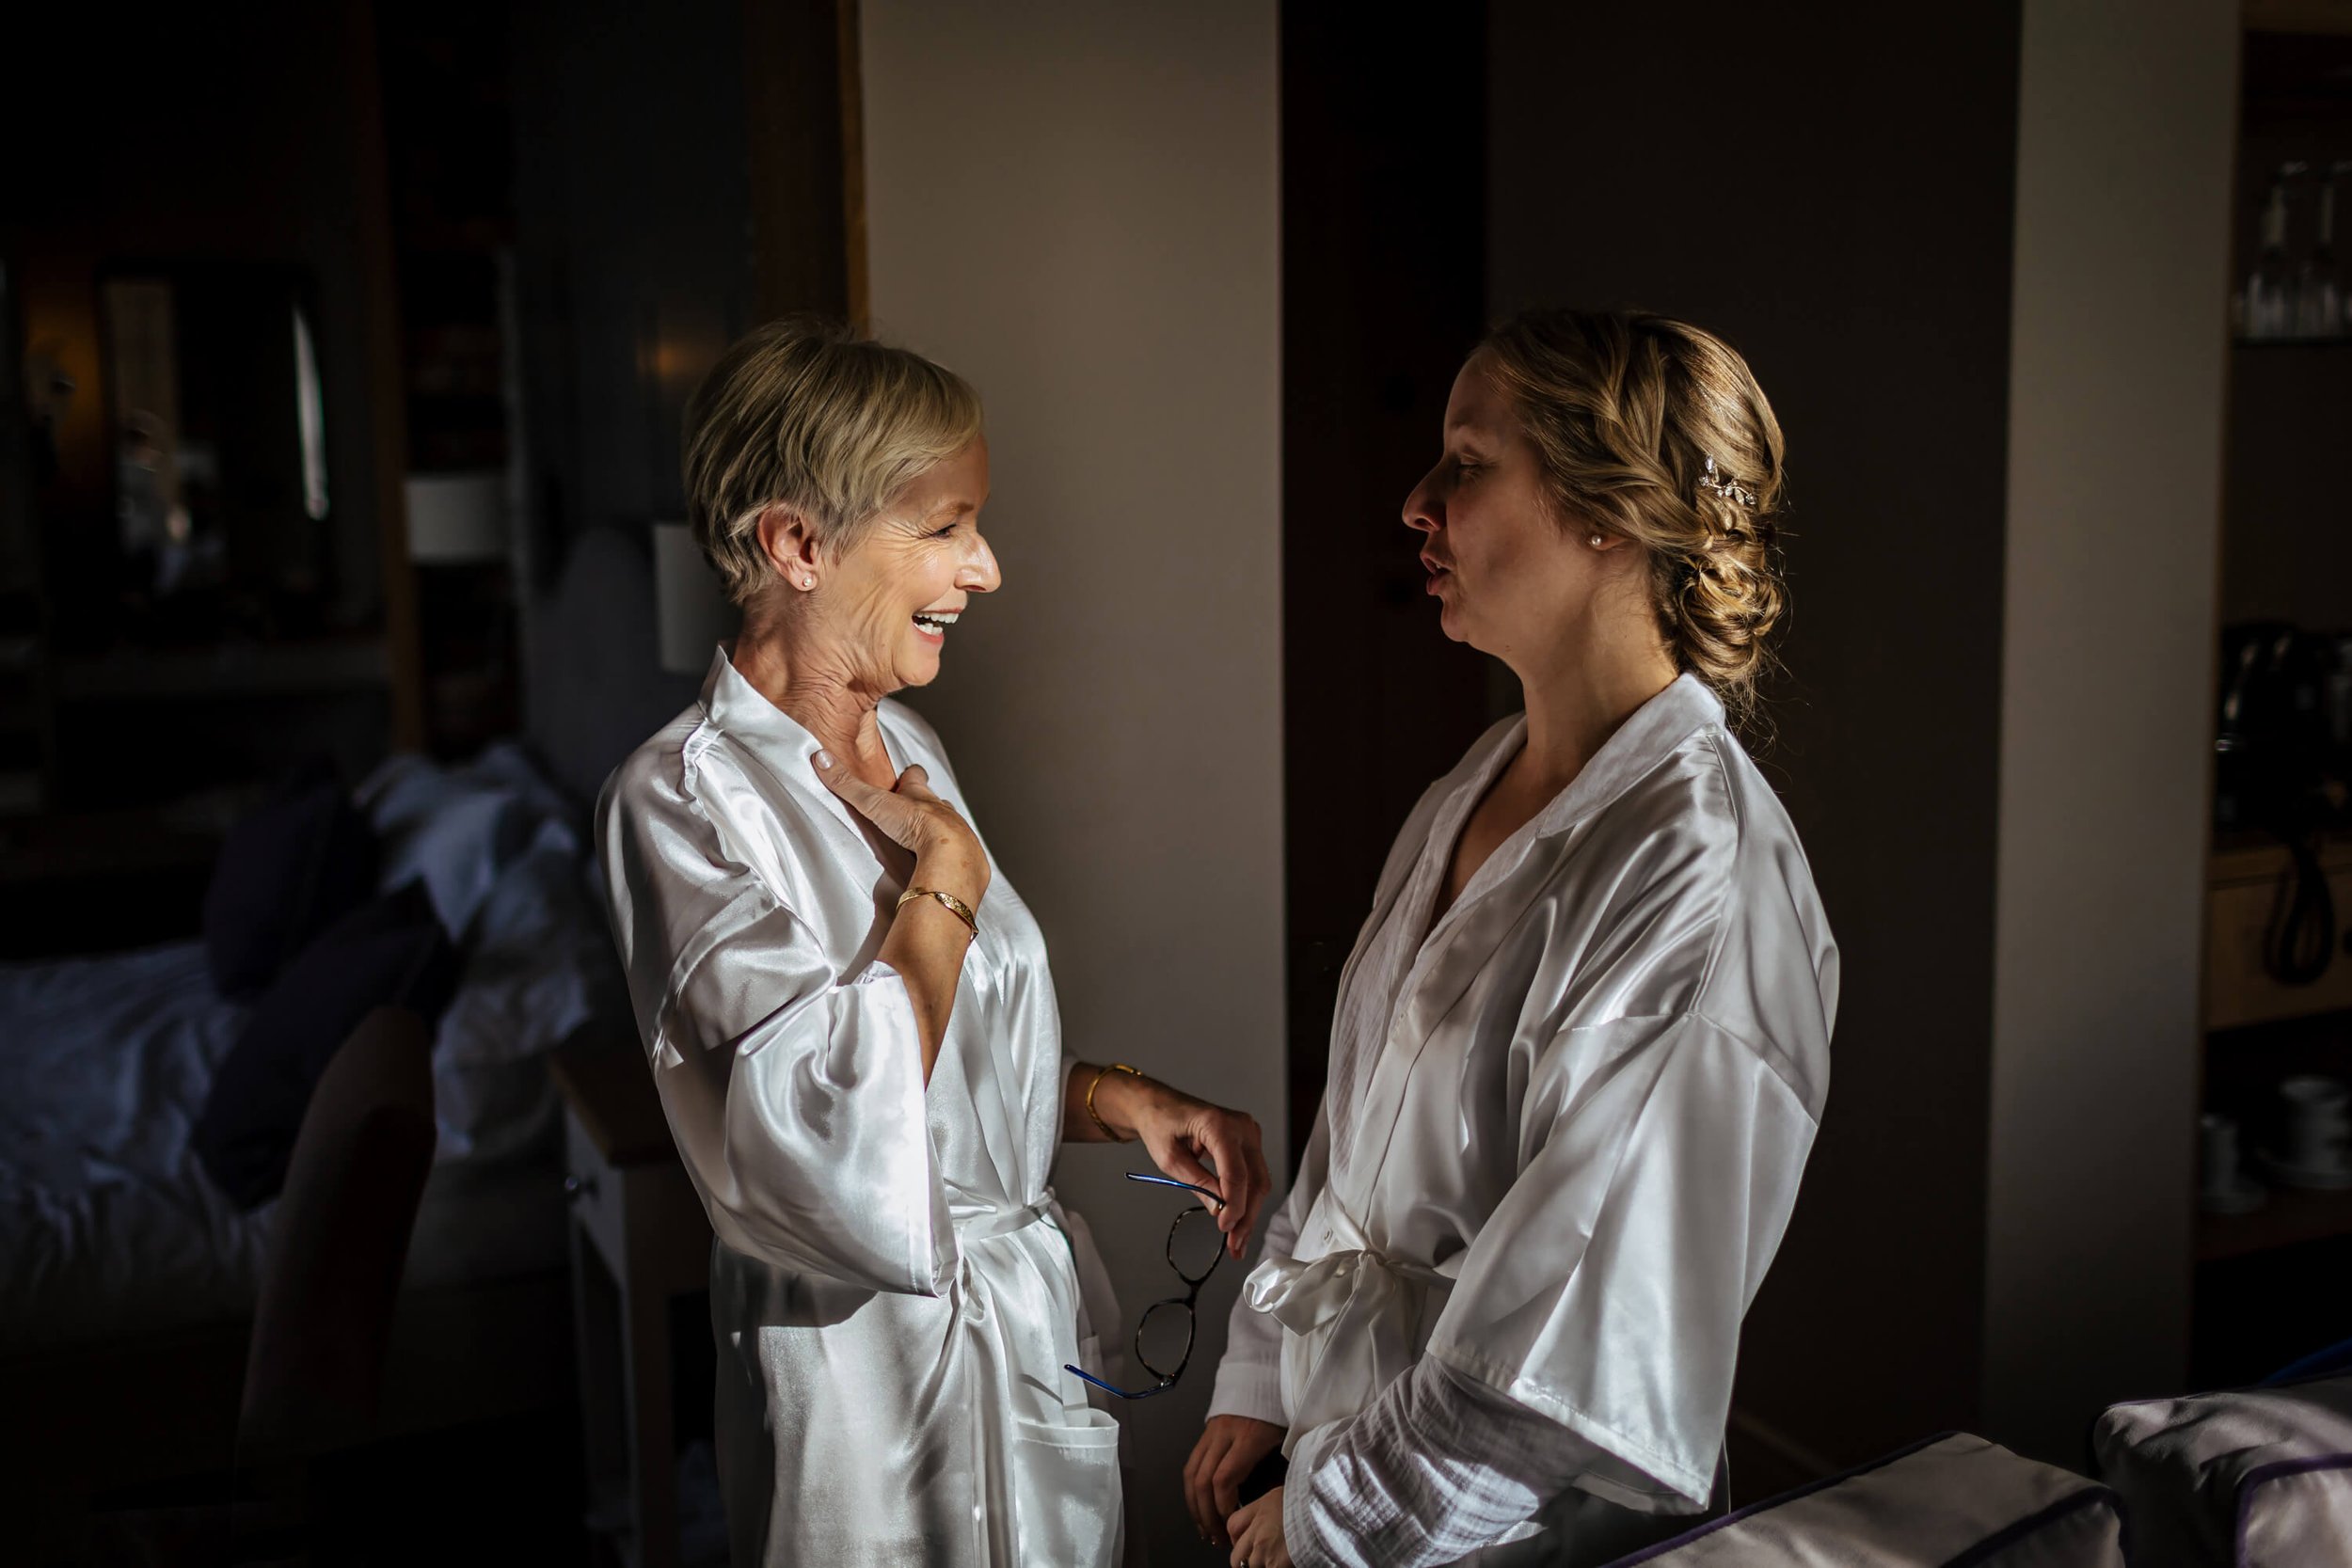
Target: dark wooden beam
801, 105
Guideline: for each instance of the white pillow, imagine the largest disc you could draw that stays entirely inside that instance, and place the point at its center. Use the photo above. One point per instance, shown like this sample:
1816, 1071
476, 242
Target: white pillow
540, 965
1950, 1500
2260, 1477
505, 871
450, 828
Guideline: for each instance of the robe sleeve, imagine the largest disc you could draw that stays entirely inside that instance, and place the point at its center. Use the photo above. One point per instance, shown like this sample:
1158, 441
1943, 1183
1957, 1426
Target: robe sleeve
795, 1093
1250, 1375
1435, 1468
1659, 1162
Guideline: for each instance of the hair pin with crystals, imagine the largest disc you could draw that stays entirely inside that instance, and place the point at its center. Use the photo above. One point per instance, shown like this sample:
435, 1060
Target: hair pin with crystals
1723, 487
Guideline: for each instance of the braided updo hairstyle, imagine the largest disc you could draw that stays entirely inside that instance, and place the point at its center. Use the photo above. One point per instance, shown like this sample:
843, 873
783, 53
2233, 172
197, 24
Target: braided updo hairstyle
1626, 408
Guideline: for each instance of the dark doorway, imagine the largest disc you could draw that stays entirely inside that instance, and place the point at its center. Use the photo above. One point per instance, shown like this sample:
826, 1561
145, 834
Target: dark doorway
1384, 260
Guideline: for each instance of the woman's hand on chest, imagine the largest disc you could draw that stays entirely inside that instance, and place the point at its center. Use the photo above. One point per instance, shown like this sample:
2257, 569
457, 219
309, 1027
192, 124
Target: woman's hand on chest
947, 853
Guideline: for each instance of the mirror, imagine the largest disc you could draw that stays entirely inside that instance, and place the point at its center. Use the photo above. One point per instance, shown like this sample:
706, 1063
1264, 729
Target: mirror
218, 440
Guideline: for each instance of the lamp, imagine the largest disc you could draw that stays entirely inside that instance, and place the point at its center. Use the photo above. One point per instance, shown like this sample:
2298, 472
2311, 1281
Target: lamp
691, 613
458, 517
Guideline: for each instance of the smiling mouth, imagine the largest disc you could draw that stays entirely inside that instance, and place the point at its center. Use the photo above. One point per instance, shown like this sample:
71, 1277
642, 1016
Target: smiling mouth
936, 622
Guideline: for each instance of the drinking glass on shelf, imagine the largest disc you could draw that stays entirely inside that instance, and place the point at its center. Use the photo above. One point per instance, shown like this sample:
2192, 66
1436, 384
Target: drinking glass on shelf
2319, 301
2270, 304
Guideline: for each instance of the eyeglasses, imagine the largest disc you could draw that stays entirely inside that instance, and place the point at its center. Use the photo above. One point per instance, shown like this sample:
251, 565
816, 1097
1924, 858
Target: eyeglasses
1164, 1333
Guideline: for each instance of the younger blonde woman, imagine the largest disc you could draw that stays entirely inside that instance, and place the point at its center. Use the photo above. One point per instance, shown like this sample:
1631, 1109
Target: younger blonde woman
1582, 1044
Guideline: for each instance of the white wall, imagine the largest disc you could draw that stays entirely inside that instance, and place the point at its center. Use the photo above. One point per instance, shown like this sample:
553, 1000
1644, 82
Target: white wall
2125, 130
1075, 206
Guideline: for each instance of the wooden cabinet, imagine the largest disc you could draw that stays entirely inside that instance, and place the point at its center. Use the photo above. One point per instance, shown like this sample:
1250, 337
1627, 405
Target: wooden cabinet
2244, 891
639, 1243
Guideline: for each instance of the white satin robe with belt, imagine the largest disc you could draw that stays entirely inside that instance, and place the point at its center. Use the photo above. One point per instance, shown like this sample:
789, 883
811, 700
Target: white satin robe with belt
894, 1289
1562, 1135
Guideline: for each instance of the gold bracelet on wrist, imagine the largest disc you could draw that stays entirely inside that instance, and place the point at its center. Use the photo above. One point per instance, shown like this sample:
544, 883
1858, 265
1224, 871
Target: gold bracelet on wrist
954, 906
1115, 1067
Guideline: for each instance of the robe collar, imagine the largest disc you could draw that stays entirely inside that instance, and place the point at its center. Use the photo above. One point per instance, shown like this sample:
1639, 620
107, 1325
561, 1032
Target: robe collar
739, 709
1467, 935
1657, 729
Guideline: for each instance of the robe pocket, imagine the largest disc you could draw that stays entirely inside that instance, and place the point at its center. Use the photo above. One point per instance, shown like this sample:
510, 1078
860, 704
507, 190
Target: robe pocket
1068, 1483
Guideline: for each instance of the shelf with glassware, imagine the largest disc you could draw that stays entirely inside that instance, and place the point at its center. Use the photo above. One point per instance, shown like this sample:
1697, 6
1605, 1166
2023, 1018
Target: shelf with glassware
2275, 1167
2295, 295
2271, 1229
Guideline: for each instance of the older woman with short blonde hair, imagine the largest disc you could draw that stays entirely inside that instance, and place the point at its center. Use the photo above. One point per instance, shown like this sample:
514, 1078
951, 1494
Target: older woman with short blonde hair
848, 1012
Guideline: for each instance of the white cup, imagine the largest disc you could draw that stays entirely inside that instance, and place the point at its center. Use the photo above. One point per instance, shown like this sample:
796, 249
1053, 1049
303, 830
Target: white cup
2318, 1123
2217, 1151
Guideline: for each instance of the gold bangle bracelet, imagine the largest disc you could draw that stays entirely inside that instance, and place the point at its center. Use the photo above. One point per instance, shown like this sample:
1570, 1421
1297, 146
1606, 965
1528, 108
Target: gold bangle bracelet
954, 906
1115, 1067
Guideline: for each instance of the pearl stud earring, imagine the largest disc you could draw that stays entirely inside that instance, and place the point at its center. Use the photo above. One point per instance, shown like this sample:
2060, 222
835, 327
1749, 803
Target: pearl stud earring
1594, 541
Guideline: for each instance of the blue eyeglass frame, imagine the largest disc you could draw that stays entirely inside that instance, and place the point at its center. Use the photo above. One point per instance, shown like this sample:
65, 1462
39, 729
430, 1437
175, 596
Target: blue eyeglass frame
1189, 1301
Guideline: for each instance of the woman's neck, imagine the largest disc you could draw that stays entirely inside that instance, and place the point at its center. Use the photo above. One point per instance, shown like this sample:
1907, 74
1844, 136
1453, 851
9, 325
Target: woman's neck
813, 693
1585, 687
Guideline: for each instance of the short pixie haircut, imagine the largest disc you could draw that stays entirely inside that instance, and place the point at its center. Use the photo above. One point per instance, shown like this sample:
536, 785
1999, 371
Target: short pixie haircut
807, 413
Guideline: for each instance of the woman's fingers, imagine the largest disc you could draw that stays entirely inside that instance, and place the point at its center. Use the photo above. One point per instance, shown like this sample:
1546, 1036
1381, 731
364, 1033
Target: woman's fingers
893, 813
908, 812
1243, 1527
1232, 1468
1258, 1534
1192, 1487
1205, 1453
1178, 1162
1233, 1144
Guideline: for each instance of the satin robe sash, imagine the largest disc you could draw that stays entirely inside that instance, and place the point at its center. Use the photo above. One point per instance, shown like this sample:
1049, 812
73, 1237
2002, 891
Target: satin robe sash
1004, 1222
1357, 1318
1053, 1484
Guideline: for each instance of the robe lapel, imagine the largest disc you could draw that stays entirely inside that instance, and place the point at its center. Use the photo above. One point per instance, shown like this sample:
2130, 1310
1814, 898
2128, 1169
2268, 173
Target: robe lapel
736, 707
1452, 959
1384, 904
1493, 903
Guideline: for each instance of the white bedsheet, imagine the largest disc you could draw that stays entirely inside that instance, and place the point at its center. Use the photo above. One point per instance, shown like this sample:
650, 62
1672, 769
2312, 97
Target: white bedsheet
108, 1224
109, 1227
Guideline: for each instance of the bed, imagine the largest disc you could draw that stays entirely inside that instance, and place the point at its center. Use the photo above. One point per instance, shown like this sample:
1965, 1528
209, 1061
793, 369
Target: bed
129, 1278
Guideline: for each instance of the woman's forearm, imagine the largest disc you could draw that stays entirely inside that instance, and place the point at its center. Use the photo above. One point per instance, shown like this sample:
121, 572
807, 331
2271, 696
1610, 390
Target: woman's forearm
1117, 1097
927, 944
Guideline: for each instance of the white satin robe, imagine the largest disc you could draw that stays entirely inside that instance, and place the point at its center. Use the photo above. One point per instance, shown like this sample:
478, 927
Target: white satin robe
894, 1289
1563, 1133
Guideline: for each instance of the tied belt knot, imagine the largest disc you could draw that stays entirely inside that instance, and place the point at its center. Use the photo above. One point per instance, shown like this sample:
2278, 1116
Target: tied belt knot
987, 1224
1310, 1295
1001, 1221
1356, 1319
